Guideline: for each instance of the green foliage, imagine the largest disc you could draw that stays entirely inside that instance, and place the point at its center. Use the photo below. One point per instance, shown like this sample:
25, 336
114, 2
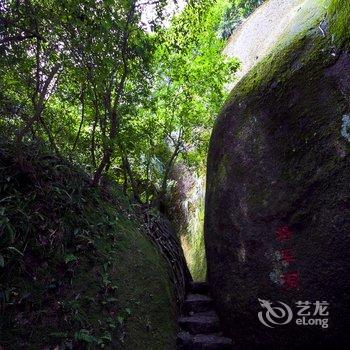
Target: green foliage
84, 77
77, 268
74, 69
190, 74
86, 82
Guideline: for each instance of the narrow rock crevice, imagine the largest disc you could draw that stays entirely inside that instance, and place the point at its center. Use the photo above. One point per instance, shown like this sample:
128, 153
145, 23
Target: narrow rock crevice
199, 322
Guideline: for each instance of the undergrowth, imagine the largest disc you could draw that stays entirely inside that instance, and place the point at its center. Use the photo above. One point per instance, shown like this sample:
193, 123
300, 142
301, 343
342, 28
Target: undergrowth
75, 269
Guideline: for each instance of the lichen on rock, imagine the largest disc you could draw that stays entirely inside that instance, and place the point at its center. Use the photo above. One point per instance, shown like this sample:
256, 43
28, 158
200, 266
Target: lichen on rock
345, 127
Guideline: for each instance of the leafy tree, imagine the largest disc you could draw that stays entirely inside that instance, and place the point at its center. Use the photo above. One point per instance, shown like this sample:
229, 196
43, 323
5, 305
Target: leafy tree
88, 80
101, 55
188, 88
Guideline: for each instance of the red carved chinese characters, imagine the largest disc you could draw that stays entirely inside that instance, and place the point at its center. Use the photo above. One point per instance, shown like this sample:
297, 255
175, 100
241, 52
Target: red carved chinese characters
291, 279
287, 255
284, 233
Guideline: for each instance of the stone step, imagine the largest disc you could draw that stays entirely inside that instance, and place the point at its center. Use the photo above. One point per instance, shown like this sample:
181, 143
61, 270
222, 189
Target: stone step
186, 341
205, 313
210, 342
197, 303
199, 287
200, 324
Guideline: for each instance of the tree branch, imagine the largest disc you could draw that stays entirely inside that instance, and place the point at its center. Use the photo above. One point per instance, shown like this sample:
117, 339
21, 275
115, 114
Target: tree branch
40, 104
17, 38
108, 151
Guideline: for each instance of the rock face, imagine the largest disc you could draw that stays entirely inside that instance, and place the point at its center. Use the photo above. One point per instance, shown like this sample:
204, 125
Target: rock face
274, 21
277, 223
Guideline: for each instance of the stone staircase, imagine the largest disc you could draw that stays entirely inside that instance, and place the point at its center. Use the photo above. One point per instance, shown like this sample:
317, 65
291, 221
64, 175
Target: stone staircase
199, 323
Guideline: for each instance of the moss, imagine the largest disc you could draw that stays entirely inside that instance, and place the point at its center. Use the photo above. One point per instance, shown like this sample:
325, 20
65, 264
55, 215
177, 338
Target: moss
147, 294
290, 44
223, 169
297, 61
192, 240
283, 132
194, 246
85, 274
277, 68
339, 12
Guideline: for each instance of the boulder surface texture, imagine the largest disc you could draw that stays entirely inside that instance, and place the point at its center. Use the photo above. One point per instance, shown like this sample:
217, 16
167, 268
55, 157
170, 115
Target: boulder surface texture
277, 225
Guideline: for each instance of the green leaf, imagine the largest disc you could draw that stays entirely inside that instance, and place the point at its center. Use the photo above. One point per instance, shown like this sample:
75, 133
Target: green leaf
70, 258
84, 335
15, 250
107, 336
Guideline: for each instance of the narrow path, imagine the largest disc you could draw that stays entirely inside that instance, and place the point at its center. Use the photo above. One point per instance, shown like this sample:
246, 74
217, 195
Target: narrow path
199, 323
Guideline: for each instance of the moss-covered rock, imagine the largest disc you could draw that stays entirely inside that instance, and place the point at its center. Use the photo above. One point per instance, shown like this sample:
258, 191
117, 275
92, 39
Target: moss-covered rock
76, 266
185, 208
277, 205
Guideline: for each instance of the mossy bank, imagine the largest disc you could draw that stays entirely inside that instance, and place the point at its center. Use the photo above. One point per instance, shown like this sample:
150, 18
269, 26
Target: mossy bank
76, 268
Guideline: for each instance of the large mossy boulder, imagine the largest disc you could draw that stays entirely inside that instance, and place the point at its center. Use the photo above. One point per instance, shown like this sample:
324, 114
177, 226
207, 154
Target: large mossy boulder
277, 224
